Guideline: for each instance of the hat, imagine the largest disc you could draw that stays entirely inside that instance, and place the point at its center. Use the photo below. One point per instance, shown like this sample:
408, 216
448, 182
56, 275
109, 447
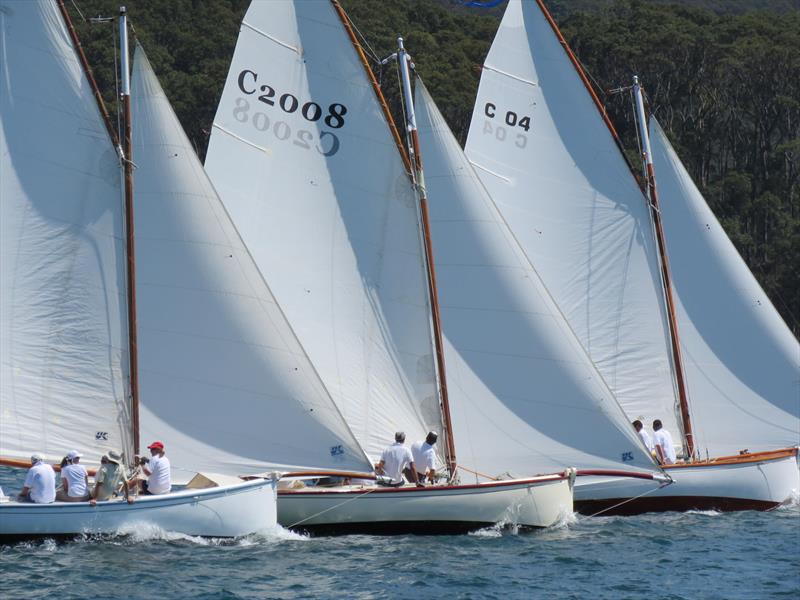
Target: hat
157, 445
36, 458
73, 454
113, 456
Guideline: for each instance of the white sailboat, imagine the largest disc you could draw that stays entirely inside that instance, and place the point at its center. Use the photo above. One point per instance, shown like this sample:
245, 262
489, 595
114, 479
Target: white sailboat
223, 379
514, 366
551, 164
304, 159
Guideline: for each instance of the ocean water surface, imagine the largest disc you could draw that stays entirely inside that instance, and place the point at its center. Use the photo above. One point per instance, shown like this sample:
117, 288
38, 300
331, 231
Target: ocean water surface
671, 556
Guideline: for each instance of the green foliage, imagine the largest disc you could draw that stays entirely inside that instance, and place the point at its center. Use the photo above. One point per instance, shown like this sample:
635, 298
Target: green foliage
723, 78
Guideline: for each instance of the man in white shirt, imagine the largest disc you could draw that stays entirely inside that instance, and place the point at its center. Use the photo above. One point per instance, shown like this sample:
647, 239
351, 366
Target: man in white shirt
425, 458
644, 436
40, 482
157, 469
665, 450
74, 479
397, 461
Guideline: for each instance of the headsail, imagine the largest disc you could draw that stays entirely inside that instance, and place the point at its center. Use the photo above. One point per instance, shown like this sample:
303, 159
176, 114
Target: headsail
742, 362
63, 341
540, 146
525, 397
223, 377
304, 161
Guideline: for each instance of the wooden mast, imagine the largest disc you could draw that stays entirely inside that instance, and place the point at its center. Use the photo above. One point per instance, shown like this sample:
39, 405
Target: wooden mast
127, 161
419, 179
655, 211
415, 173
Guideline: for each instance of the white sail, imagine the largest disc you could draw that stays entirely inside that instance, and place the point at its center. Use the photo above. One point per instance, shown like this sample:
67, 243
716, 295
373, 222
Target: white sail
224, 381
524, 396
547, 159
742, 363
63, 340
303, 160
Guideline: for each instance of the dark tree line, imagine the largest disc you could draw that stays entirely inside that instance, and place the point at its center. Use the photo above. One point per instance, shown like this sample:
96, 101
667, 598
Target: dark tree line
725, 85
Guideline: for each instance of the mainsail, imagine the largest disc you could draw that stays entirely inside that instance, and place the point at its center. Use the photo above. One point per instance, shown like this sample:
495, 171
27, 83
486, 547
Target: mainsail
223, 377
742, 362
63, 341
303, 159
525, 397
545, 155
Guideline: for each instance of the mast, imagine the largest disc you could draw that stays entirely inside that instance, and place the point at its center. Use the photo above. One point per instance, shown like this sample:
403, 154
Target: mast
448, 433
419, 179
127, 158
652, 195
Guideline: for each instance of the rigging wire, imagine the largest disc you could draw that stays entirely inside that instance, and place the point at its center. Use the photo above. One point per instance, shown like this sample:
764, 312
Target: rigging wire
583, 518
75, 5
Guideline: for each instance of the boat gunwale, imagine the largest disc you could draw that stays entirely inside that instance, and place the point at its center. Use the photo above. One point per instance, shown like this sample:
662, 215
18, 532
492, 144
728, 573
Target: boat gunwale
749, 457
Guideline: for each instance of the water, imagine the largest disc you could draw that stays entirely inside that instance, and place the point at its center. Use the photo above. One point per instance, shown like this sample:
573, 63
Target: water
671, 556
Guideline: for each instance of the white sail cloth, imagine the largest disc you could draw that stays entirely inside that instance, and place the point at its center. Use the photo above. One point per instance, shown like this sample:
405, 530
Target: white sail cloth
224, 381
305, 164
545, 155
525, 397
63, 340
742, 363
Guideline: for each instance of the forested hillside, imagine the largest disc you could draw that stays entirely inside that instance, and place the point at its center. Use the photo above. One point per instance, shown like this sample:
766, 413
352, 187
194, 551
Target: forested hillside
725, 84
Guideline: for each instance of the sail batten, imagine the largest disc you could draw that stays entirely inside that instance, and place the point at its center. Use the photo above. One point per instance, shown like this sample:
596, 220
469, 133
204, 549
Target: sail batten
223, 377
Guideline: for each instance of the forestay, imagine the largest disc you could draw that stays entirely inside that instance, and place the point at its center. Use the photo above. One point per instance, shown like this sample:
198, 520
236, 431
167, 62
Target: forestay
223, 378
63, 341
525, 397
548, 161
742, 362
302, 157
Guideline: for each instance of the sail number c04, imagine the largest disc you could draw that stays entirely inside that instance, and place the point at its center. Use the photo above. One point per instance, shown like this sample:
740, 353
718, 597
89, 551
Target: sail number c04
511, 120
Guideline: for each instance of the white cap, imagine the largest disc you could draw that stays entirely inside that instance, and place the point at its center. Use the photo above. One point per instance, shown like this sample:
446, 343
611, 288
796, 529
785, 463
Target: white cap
35, 458
73, 454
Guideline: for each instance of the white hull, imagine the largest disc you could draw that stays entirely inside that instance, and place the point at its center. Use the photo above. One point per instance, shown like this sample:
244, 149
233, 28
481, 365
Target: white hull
746, 484
535, 502
225, 511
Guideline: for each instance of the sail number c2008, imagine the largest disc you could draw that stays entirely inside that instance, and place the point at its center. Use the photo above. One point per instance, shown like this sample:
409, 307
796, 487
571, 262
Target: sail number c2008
327, 142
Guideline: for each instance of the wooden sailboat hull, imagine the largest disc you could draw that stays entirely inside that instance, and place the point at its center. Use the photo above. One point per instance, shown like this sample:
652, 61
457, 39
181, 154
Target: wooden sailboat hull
530, 503
225, 511
757, 481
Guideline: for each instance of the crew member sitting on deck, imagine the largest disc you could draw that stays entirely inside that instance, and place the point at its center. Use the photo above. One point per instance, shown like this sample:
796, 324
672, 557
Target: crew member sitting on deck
157, 469
108, 479
74, 480
40, 482
665, 451
397, 461
425, 457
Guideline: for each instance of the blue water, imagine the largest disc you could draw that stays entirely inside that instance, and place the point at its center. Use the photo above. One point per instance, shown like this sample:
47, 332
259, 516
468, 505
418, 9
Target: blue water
670, 556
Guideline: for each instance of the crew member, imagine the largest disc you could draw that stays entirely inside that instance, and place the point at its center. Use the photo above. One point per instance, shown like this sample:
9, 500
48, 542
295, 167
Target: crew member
425, 457
397, 461
665, 451
40, 482
644, 436
157, 469
74, 480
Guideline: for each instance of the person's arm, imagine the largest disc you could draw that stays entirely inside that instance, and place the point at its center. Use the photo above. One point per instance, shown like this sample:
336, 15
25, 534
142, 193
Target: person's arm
379, 467
65, 483
660, 456
127, 491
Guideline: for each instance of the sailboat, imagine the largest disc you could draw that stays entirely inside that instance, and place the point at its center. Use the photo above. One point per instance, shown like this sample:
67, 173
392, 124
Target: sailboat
305, 159
553, 165
223, 378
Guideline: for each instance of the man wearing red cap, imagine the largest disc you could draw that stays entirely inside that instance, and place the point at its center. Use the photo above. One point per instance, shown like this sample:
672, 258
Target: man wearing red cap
157, 470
